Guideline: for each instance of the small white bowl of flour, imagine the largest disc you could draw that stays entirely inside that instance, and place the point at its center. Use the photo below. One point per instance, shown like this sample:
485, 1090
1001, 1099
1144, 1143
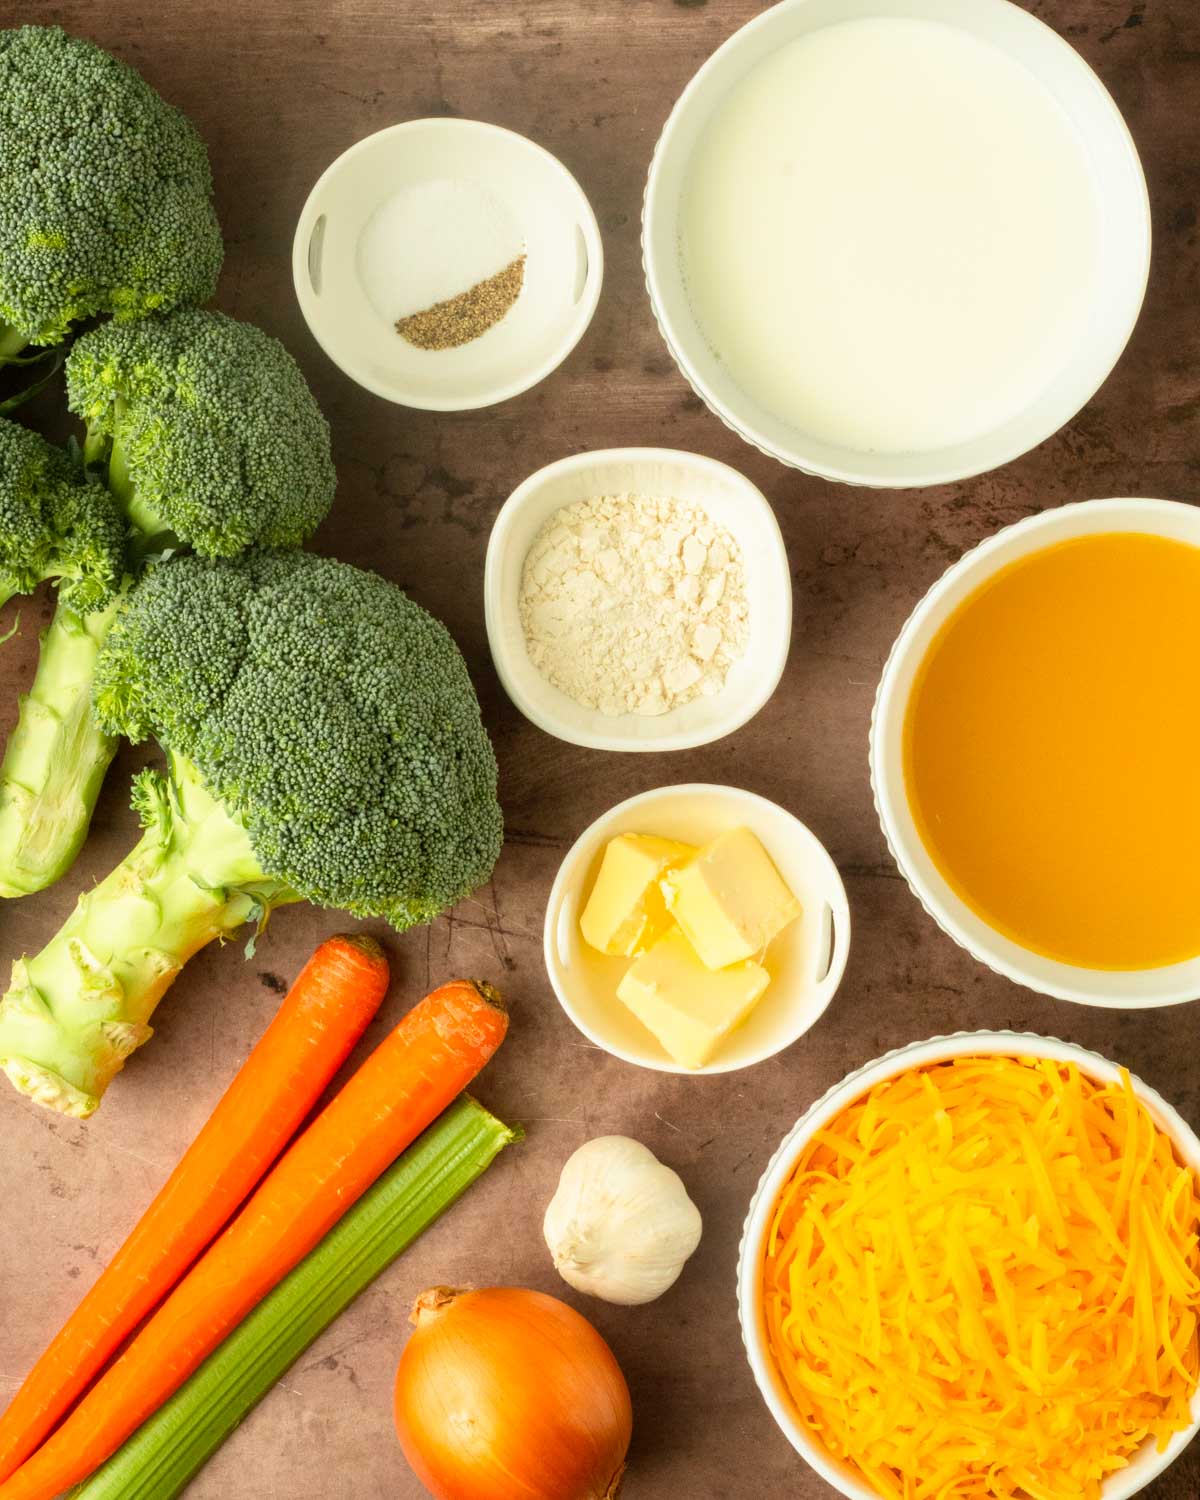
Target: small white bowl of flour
638, 599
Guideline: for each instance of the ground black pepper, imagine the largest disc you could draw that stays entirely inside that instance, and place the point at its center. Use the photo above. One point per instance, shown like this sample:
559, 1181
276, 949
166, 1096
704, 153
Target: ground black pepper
447, 325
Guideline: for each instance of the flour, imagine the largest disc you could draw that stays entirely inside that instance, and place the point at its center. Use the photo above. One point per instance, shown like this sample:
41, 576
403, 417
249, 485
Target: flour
634, 604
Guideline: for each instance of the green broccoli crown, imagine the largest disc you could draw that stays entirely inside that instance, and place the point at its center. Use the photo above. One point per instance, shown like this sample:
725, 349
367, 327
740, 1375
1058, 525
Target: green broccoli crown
327, 711
105, 190
213, 429
53, 524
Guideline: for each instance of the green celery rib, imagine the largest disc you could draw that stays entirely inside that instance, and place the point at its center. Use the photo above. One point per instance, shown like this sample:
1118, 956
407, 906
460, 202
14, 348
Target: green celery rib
165, 1454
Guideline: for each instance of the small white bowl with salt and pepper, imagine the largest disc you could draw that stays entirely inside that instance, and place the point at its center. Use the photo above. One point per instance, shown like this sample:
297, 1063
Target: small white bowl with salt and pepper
638, 599
447, 264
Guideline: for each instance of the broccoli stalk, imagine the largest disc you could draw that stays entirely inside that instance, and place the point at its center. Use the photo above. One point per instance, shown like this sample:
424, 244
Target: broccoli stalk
56, 758
83, 1004
54, 525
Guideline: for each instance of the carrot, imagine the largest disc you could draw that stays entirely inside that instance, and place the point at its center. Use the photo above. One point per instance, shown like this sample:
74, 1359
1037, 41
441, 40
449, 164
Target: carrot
167, 1451
325, 1012
405, 1084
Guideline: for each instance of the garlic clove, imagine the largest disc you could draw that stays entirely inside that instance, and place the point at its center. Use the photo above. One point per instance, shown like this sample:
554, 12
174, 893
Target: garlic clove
620, 1225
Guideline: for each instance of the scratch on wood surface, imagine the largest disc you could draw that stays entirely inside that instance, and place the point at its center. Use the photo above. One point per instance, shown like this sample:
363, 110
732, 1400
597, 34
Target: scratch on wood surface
533, 840
494, 926
334, 1354
449, 916
552, 1119
492, 921
108, 1145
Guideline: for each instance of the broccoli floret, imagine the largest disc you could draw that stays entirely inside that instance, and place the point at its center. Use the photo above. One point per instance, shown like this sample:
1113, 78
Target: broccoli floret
329, 712
209, 430
105, 192
324, 743
212, 440
53, 524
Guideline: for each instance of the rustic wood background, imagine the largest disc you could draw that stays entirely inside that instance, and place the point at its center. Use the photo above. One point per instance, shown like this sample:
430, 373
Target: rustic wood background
278, 88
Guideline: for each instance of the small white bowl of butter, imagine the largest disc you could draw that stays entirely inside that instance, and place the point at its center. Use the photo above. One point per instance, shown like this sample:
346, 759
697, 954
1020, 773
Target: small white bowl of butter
804, 961
896, 242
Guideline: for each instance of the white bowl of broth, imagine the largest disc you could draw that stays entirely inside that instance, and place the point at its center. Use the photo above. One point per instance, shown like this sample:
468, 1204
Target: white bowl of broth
1034, 752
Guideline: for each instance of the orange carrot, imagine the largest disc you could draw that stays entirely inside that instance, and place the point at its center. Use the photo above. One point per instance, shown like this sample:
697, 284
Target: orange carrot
401, 1088
325, 1012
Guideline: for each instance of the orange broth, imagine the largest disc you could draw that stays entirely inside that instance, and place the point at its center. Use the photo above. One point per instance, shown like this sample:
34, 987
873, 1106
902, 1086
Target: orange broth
1052, 751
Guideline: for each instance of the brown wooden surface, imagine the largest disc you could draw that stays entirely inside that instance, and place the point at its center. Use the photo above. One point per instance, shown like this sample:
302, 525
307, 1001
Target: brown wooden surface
278, 88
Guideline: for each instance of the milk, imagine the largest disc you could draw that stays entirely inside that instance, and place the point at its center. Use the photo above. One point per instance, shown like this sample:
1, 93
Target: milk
889, 235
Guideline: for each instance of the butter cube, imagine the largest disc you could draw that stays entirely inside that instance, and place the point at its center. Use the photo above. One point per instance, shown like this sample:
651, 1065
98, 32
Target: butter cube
690, 1009
626, 910
730, 900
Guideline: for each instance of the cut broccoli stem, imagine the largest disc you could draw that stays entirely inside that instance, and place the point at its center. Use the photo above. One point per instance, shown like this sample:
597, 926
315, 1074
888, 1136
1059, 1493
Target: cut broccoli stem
56, 758
96, 443
12, 343
119, 482
77, 1009
150, 530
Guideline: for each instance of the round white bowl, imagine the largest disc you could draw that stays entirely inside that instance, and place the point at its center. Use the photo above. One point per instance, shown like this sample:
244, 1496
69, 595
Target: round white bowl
1124, 990
733, 503
1124, 255
1146, 1464
429, 188
806, 961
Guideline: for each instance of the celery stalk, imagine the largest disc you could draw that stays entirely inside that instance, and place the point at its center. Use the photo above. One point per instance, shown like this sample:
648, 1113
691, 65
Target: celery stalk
165, 1454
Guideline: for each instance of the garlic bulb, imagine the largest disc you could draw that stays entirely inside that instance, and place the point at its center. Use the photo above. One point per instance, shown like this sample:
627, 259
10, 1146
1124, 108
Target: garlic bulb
620, 1224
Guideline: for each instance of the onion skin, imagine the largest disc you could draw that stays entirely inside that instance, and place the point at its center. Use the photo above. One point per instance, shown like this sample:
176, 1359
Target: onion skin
507, 1394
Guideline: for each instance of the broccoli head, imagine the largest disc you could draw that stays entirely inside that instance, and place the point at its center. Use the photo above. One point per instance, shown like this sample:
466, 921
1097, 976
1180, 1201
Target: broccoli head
54, 524
329, 712
209, 430
324, 743
105, 192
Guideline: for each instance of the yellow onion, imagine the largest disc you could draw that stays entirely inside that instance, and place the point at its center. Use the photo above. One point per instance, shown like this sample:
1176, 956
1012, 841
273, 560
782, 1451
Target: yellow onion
505, 1394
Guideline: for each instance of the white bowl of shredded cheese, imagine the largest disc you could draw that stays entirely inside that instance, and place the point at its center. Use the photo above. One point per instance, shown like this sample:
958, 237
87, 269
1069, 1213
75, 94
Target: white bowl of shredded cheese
638, 599
818, 1123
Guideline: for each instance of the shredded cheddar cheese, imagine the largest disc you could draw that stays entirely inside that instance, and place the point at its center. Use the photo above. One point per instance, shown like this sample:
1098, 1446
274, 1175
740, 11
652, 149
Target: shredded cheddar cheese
982, 1282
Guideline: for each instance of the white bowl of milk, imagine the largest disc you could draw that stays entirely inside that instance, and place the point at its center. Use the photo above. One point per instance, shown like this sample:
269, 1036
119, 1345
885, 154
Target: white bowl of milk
896, 242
